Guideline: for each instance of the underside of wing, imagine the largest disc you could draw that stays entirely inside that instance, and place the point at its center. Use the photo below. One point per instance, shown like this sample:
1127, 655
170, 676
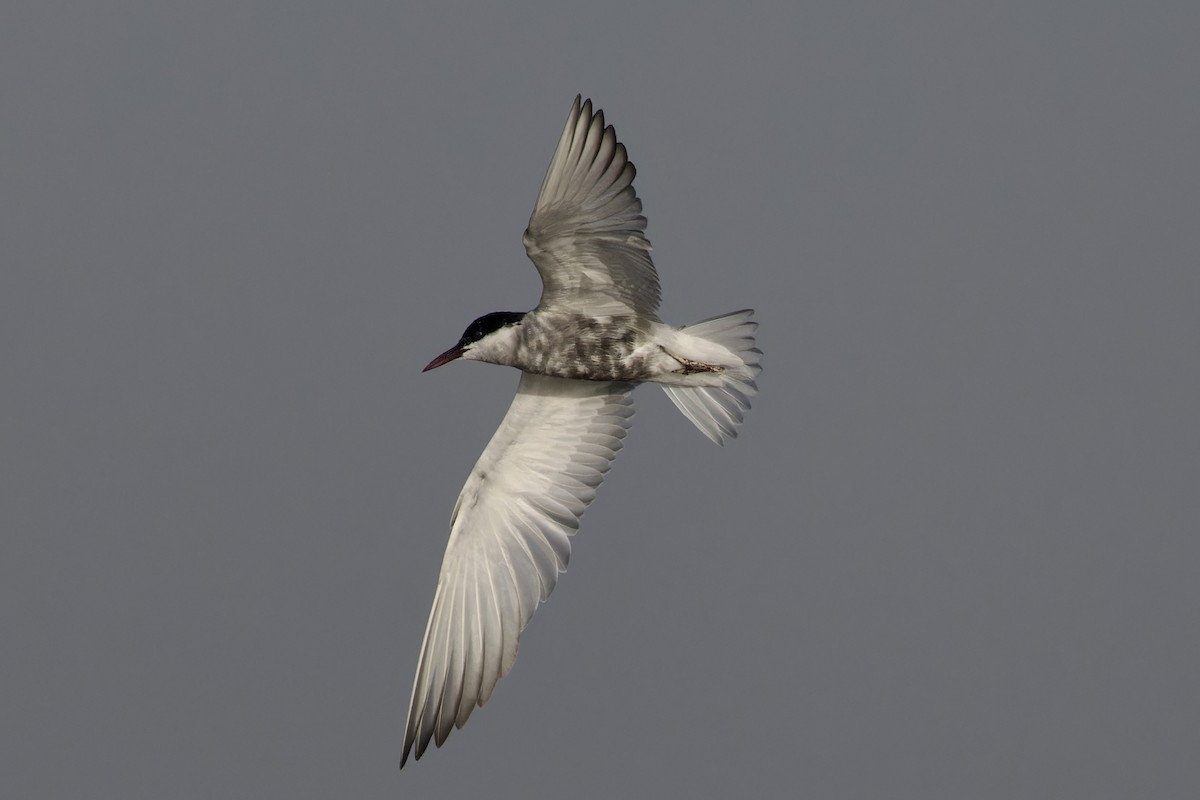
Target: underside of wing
508, 542
587, 233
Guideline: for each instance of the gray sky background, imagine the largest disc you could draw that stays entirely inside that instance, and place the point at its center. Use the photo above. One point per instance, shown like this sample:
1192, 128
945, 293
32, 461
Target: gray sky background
954, 553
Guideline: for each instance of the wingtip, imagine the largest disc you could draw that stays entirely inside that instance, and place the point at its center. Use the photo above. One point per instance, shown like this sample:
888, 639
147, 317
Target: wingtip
411, 747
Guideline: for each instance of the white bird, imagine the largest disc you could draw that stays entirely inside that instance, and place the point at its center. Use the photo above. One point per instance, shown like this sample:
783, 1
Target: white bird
594, 335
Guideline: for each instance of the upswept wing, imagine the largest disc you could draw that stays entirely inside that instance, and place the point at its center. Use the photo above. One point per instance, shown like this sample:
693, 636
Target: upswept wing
509, 540
587, 233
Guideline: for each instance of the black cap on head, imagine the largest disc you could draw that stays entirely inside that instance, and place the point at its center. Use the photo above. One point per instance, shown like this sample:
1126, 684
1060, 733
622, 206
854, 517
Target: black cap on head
488, 323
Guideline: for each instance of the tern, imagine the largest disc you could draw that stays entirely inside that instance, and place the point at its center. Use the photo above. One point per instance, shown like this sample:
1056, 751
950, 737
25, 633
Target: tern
593, 337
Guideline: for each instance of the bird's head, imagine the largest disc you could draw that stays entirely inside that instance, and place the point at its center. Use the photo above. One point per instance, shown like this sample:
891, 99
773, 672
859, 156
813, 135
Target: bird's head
489, 338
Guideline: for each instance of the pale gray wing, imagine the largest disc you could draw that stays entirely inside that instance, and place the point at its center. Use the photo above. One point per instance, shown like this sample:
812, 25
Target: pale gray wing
509, 540
587, 233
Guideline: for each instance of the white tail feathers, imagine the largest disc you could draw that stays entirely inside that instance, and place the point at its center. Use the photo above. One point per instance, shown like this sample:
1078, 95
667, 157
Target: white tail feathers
718, 410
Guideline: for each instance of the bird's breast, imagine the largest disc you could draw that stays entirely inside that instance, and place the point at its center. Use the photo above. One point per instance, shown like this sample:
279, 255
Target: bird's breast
583, 348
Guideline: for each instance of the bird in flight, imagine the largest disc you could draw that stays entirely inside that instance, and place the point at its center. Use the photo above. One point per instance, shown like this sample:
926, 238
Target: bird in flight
593, 337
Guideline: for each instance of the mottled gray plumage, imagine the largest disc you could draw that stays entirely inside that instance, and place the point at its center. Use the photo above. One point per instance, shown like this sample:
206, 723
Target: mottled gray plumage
582, 347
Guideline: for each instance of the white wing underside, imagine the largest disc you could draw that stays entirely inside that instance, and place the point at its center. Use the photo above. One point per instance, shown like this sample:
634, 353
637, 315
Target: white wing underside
587, 233
509, 540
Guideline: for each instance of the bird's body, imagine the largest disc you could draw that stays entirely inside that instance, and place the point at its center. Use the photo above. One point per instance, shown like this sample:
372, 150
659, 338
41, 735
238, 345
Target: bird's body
593, 337
602, 348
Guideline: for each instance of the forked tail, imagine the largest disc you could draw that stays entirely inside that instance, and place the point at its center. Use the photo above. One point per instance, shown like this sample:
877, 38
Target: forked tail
718, 410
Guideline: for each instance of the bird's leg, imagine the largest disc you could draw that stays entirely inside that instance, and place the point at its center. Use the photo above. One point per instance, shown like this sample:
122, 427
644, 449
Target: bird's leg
691, 367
